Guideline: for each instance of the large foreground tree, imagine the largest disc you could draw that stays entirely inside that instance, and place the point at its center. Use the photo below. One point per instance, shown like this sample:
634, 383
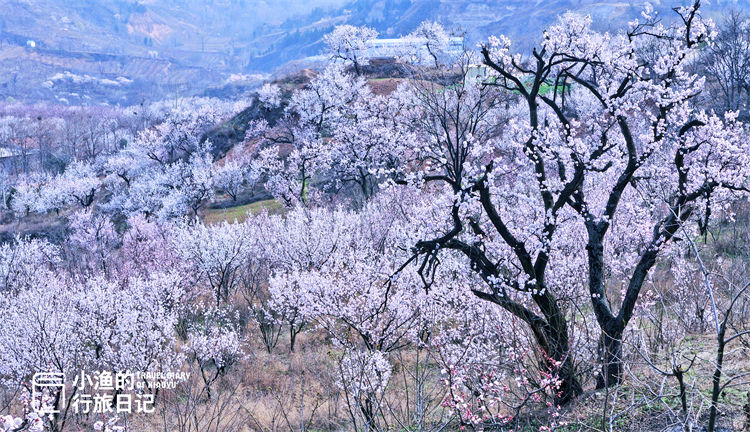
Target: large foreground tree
571, 170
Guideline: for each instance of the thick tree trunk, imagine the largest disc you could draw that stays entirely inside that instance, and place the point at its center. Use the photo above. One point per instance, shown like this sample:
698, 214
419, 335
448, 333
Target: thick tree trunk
559, 350
552, 338
570, 388
612, 326
610, 347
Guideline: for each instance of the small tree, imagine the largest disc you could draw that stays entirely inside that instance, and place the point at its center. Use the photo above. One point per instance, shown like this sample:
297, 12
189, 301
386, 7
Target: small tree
216, 252
349, 43
726, 60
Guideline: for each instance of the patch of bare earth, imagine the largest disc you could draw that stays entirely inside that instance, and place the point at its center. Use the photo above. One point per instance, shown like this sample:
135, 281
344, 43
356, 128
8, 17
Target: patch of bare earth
384, 86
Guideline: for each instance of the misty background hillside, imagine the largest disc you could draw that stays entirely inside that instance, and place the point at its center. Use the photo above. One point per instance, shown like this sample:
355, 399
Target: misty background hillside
91, 52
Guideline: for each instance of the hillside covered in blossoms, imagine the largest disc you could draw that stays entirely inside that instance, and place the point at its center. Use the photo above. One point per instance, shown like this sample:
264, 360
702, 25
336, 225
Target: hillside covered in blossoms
418, 227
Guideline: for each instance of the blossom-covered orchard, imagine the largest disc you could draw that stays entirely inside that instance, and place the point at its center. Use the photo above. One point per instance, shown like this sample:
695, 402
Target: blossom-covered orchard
465, 250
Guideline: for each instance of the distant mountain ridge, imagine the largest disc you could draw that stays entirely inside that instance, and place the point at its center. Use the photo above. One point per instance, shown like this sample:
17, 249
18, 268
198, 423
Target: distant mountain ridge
124, 52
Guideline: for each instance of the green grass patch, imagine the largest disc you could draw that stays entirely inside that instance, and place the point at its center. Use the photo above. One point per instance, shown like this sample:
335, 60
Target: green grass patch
239, 213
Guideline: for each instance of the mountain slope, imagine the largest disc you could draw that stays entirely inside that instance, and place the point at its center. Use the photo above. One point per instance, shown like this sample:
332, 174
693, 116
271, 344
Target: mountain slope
125, 52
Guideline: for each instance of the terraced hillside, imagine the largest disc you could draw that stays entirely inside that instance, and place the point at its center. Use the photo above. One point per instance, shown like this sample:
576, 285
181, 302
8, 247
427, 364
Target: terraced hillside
125, 52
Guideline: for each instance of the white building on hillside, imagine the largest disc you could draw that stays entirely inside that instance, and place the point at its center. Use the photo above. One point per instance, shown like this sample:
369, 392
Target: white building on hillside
381, 48
476, 72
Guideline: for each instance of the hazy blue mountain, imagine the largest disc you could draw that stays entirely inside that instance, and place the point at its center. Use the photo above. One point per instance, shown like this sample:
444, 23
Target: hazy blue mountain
123, 51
